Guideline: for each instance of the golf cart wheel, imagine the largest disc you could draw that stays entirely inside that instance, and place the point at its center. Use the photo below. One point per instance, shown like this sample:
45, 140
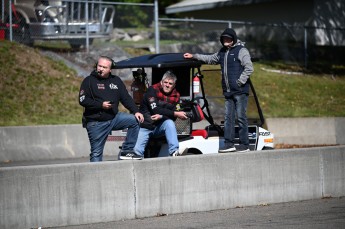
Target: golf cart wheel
192, 152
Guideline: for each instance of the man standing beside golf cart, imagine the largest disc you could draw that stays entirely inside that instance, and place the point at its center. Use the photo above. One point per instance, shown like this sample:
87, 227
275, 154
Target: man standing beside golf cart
236, 65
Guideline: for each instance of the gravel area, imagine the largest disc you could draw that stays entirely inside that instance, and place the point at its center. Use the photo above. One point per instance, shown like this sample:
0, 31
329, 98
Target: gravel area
83, 62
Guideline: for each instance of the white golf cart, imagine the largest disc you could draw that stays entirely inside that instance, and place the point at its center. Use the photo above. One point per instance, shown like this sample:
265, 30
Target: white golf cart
201, 137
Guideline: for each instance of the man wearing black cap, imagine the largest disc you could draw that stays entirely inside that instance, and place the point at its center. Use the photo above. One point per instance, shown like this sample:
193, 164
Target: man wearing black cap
236, 67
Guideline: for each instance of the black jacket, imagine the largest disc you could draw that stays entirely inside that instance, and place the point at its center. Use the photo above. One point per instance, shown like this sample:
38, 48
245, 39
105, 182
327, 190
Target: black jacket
95, 90
151, 105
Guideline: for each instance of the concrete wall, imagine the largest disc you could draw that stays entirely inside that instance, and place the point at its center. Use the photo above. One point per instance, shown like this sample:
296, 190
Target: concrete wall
47, 142
71, 141
70, 194
308, 131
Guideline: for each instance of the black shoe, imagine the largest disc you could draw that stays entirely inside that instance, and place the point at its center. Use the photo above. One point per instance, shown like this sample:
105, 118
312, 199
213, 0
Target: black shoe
227, 149
129, 155
242, 148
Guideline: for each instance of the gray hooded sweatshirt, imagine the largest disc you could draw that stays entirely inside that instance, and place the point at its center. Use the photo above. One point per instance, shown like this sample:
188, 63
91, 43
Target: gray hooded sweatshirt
235, 62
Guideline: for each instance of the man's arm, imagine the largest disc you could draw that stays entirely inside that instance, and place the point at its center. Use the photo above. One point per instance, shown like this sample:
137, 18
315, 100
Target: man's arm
85, 96
208, 59
246, 62
155, 107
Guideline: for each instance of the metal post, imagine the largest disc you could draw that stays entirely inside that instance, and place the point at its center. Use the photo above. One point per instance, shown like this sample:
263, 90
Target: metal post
3, 10
87, 26
156, 26
305, 48
10, 14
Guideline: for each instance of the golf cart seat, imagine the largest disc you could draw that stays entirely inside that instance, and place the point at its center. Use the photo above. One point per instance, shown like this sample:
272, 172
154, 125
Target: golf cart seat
201, 132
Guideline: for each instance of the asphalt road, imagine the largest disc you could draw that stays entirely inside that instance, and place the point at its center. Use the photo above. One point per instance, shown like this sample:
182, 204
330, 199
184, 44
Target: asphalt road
311, 214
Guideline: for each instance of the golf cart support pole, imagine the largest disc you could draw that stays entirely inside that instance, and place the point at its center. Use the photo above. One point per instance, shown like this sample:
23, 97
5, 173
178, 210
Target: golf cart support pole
208, 116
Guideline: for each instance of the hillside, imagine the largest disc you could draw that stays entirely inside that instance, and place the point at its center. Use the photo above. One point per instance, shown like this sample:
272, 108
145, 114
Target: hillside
38, 90
35, 89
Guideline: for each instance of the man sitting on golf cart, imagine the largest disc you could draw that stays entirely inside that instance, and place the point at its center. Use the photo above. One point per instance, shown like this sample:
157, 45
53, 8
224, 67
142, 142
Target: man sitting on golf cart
158, 107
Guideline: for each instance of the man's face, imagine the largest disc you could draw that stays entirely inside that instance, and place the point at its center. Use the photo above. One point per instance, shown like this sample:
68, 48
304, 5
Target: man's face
168, 85
227, 41
103, 67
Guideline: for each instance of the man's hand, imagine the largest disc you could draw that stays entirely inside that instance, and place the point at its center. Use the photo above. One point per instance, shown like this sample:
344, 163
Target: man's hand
181, 115
139, 116
239, 83
156, 117
106, 105
188, 55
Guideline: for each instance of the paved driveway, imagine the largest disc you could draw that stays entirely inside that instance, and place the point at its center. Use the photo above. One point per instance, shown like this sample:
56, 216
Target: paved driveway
311, 214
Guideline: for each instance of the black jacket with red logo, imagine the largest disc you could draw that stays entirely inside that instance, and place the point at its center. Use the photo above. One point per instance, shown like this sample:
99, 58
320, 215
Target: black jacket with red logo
155, 101
95, 90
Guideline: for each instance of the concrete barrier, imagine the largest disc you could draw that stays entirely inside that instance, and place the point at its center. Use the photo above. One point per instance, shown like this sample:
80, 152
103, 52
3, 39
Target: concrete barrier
71, 141
308, 131
73, 194
47, 142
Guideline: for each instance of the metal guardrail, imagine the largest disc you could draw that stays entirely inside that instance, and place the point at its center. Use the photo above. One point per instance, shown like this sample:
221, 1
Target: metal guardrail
74, 21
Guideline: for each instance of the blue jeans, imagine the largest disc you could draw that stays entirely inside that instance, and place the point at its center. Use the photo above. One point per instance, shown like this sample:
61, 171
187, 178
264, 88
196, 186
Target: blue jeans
166, 128
98, 132
236, 106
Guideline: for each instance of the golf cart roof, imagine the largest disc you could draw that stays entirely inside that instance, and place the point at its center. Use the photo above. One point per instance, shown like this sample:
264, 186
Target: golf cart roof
164, 60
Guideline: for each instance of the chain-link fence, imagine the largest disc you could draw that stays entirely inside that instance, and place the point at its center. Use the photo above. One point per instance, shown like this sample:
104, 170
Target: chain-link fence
136, 25
290, 43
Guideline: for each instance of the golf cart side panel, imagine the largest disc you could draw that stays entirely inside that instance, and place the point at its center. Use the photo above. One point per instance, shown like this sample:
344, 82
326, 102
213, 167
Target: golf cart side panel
265, 140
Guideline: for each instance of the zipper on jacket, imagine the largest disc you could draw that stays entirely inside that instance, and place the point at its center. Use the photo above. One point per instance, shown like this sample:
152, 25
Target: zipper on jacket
226, 78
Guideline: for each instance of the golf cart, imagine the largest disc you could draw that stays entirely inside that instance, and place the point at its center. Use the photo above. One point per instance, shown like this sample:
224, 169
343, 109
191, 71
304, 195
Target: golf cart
195, 136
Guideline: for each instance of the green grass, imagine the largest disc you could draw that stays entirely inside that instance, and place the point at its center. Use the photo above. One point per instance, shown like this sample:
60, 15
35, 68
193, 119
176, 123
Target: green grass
287, 95
36, 90
300, 95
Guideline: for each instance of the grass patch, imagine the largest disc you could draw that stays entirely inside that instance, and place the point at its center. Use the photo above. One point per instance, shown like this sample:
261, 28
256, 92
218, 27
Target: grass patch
286, 95
306, 95
36, 90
